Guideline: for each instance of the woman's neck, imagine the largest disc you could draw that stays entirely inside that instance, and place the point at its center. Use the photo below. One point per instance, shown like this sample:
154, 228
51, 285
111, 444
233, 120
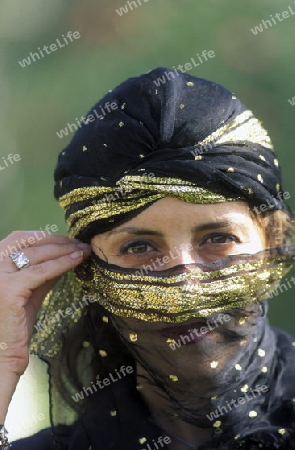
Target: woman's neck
183, 409
178, 430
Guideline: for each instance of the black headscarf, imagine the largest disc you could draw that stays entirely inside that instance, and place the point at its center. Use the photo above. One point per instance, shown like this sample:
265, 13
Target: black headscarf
188, 128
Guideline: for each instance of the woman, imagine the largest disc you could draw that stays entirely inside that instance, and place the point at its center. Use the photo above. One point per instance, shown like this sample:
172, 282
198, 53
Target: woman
156, 334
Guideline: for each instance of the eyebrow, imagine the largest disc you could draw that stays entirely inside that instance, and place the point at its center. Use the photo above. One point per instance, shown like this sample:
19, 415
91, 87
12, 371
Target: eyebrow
136, 231
216, 225
203, 227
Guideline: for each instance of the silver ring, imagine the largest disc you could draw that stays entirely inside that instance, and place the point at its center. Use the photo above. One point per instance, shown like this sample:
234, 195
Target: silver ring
20, 260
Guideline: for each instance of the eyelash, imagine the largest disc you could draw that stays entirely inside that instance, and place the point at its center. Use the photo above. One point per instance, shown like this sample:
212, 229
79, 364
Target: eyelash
224, 235
124, 248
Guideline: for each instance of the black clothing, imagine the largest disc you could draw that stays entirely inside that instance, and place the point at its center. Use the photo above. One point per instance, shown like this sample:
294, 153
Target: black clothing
275, 430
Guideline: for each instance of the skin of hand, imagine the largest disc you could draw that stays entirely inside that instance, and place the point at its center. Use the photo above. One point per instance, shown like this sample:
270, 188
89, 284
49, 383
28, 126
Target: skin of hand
21, 295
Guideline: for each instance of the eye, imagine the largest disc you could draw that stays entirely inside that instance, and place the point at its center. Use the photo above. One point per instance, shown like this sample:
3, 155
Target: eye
136, 248
220, 239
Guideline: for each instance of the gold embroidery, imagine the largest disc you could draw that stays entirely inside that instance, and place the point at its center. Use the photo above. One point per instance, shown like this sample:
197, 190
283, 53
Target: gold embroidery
130, 194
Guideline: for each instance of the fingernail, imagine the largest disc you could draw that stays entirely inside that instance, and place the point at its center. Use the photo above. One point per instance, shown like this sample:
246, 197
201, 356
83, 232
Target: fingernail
76, 255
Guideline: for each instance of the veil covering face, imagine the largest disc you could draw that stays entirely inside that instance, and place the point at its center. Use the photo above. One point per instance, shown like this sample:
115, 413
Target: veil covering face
193, 140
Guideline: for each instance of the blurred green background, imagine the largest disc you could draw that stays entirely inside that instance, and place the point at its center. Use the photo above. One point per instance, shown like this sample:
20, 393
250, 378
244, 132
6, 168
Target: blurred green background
40, 99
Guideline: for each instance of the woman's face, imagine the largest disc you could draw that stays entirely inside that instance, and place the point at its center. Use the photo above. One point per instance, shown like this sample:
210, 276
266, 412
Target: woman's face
172, 232
192, 233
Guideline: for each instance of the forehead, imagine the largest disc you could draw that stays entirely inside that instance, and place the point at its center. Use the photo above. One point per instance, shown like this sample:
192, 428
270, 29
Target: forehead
176, 208
169, 212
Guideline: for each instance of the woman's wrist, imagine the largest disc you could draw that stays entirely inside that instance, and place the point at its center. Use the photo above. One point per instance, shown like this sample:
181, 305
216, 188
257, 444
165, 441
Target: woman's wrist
4, 444
8, 384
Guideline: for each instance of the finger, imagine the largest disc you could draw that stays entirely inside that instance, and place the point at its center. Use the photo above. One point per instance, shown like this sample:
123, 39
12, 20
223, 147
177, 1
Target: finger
32, 237
42, 253
40, 239
40, 293
18, 240
34, 276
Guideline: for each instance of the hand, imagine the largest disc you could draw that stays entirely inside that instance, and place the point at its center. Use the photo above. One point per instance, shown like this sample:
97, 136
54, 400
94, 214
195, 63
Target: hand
22, 291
